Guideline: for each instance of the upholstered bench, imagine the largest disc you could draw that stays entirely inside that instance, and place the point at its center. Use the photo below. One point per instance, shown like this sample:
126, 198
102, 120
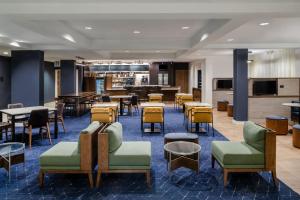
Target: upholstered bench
117, 156
256, 153
72, 157
277, 123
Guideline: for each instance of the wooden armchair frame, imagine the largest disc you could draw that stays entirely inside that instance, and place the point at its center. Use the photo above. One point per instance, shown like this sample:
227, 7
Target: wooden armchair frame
270, 159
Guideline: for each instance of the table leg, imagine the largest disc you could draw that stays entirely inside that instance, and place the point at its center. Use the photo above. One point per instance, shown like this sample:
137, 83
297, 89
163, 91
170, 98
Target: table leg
13, 128
55, 124
197, 127
152, 127
121, 106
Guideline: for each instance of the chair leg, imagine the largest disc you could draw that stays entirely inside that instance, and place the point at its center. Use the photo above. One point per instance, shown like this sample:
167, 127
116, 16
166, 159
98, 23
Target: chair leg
41, 178
91, 179
212, 161
98, 180
63, 124
48, 133
225, 172
148, 178
30, 136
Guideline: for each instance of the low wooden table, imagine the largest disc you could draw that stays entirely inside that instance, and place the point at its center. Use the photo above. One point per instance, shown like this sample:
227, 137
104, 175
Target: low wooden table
180, 153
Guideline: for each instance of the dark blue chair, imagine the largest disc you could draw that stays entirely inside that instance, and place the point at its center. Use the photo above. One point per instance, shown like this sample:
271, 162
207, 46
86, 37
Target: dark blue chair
295, 112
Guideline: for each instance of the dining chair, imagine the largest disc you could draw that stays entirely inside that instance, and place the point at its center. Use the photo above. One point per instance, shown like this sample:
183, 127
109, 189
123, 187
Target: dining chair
60, 115
37, 119
133, 102
106, 98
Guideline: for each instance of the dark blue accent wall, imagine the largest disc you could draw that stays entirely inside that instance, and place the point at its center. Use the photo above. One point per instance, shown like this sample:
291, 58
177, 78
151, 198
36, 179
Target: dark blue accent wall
240, 76
68, 76
27, 77
49, 82
5, 82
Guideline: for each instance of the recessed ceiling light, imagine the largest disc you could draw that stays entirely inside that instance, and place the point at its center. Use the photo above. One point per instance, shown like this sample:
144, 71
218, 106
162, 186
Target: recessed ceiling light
22, 41
185, 27
230, 40
5, 53
264, 24
127, 51
88, 28
249, 61
157, 51
136, 32
204, 37
69, 38
15, 44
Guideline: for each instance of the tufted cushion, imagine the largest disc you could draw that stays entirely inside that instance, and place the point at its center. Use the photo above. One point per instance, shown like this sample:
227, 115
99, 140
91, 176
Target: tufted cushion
115, 136
254, 136
94, 126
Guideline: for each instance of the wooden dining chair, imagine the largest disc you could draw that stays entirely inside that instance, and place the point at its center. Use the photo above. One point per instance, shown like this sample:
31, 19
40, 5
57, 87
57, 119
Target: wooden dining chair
37, 119
60, 115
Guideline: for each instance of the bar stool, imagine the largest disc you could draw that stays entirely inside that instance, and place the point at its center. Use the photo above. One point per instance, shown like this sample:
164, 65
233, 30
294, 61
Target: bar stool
277, 123
230, 110
296, 135
222, 105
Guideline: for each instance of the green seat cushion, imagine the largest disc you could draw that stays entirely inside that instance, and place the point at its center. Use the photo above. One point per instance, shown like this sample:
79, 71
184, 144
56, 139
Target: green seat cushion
254, 136
63, 155
94, 126
237, 155
131, 155
115, 136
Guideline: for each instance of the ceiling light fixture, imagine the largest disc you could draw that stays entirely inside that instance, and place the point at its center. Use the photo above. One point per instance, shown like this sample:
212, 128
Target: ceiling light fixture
204, 37
69, 38
185, 27
5, 53
157, 51
88, 28
127, 51
230, 40
15, 44
136, 32
249, 61
22, 41
264, 24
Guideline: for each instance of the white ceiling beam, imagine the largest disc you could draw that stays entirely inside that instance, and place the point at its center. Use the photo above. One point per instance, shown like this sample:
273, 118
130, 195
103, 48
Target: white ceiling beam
254, 45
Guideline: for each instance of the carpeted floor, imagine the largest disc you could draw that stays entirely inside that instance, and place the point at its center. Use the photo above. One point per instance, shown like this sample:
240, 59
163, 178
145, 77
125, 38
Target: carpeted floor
183, 184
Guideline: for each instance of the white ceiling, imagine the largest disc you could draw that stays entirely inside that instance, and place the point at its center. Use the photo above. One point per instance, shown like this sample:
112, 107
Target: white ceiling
40, 24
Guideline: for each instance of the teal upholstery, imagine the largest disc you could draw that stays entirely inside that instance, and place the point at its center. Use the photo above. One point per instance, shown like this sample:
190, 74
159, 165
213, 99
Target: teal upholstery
237, 155
131, 155
63, 155
254, 136
94, 126
115, 136
248, 154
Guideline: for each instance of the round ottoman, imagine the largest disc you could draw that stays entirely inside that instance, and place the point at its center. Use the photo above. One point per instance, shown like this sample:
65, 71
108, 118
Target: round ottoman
222, 105
279, 124
230, 110
172, 137
296, 135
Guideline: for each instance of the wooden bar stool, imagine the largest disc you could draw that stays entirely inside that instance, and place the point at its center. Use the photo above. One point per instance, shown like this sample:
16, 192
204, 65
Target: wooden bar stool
296, 135
222, 105
230, 110
279, 124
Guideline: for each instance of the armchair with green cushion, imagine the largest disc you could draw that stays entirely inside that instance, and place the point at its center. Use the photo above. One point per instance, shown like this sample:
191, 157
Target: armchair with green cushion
256, 153
73, 157
118, 156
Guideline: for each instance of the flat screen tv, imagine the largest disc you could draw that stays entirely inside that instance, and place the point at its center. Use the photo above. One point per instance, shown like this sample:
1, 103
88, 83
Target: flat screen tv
224, 84
264, 88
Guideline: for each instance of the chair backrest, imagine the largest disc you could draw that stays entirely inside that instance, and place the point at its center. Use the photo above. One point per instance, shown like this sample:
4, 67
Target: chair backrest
60, 109
15, 105
295, 109
88, 146
134, 100
201, 114
106, 98
38, 118
104, 115
153, 114
155, 98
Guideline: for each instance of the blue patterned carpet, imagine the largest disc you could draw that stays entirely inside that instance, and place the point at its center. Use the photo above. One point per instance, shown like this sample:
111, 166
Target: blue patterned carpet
208, 185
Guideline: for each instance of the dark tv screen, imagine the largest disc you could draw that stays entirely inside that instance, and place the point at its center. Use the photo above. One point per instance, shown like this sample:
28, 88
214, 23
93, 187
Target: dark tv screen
224, 84
264, 87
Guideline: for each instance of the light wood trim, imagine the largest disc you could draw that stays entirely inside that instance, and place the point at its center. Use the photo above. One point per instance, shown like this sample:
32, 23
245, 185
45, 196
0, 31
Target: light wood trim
103, 151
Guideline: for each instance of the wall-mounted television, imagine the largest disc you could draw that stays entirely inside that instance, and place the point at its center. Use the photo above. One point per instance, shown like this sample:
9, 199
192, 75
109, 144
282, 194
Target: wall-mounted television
266, 87
224, 84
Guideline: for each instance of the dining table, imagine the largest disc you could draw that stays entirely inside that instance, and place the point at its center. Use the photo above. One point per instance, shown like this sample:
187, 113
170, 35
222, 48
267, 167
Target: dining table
295, 105
14, 112
121, 98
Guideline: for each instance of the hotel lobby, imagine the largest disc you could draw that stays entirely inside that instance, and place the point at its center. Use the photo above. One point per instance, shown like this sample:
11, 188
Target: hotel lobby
160, 99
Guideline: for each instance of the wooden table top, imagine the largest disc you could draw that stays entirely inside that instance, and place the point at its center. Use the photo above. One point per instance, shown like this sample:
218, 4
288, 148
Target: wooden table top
120, 96
105, 105
197, 104
291, 104
152, 104
25, 110
155, 94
